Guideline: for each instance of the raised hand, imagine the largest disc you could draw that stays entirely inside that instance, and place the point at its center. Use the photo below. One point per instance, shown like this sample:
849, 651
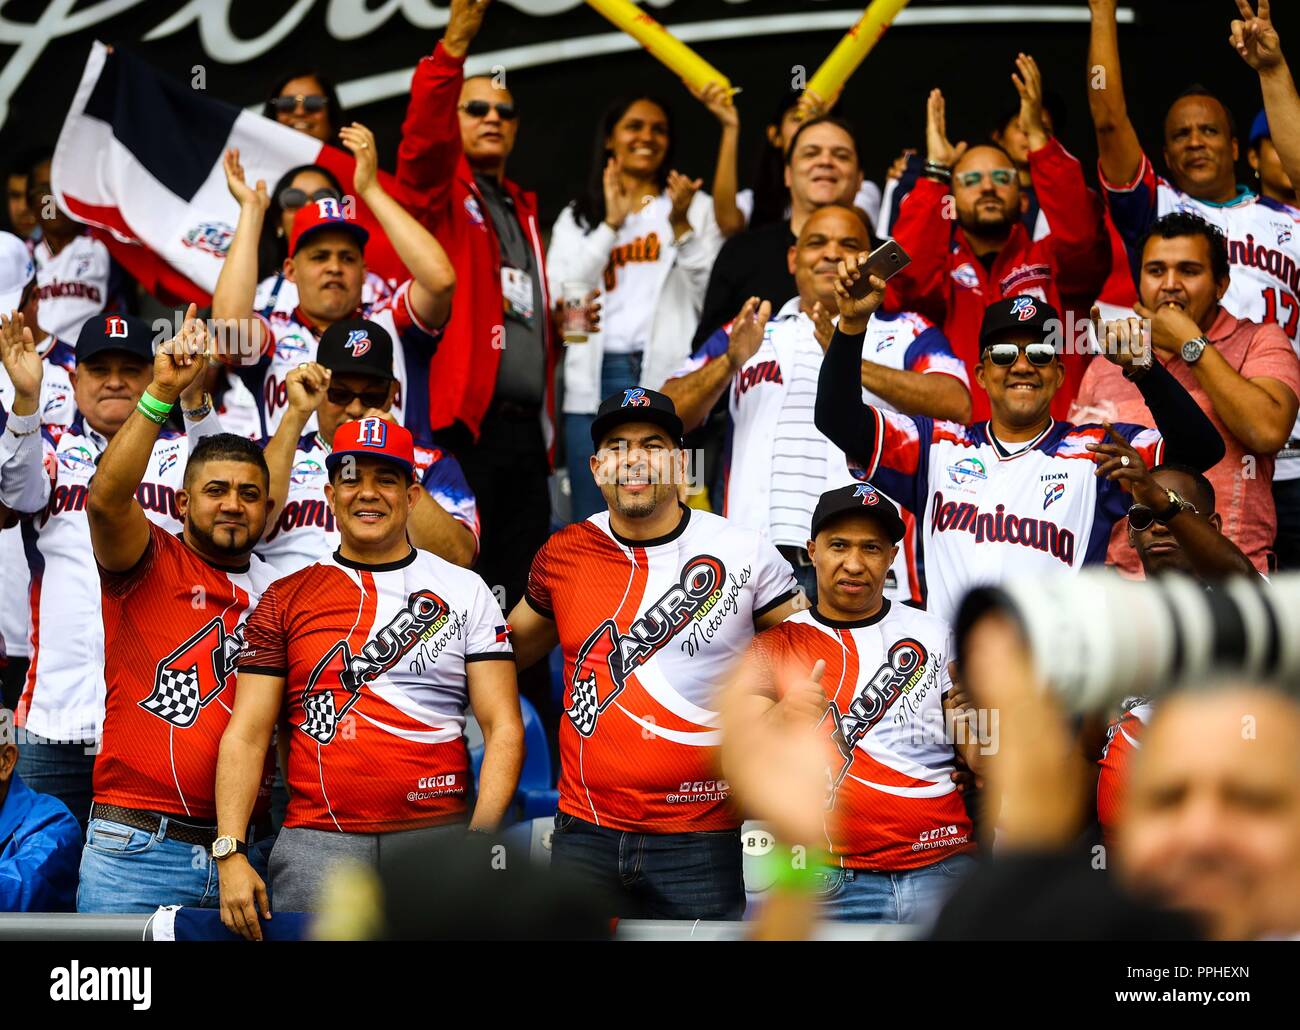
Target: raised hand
1171, 326
246, 195
1254, 37
937, 145
463, 23
1029, 84
305, 387
823, 325
182, 360
681, 191
857, 294
361, 141
899, 166
746, 334
618, 202
1123, 341
21, 362
717, 98
1119, 460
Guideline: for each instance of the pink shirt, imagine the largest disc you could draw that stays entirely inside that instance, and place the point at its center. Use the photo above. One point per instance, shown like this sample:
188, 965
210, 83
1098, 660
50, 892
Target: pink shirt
1243, 490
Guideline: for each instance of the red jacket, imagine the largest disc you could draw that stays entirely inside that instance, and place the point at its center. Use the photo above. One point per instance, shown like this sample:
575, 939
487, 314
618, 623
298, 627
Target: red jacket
437, 186
948, 284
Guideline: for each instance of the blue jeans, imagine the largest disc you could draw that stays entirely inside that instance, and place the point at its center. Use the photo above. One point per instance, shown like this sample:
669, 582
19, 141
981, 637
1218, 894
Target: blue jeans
124, 869
654, 875
64, 770
618, 372
914, 896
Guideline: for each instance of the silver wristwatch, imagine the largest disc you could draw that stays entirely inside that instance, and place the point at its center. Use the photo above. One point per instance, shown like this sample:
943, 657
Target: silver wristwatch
1193, 349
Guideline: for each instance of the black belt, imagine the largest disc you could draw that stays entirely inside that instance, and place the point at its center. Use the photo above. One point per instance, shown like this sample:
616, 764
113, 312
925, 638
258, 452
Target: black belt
797, 556
186, 833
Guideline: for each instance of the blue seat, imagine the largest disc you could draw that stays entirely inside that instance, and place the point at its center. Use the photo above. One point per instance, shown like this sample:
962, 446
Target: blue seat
535, 796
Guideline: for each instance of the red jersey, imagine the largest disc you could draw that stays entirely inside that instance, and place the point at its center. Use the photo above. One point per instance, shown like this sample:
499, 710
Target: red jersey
1123, 738
891, 803
374, 658
649, 630
173, 626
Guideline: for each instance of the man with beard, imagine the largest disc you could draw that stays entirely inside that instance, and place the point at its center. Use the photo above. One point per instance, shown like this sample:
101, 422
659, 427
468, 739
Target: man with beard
45, 474
959, 268
651, 602
779, 463
173, 614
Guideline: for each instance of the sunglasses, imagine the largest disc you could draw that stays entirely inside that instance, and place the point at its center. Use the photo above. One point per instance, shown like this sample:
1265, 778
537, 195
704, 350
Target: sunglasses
375, 397
1005, 354
1141, 518
480, 108
311, 104
293, 198
1000, 177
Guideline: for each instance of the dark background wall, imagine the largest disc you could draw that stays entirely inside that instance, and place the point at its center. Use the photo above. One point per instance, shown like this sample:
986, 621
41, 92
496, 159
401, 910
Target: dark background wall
1173, 42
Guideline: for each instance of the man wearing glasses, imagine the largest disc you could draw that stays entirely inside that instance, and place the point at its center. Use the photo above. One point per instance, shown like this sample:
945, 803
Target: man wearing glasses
970, 248
1021, 493
352, 378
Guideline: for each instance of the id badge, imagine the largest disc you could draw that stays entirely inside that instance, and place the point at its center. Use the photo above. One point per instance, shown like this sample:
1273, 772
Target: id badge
517, 292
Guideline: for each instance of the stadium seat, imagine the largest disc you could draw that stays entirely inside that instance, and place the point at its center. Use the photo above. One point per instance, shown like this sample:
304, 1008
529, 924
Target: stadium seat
535, 797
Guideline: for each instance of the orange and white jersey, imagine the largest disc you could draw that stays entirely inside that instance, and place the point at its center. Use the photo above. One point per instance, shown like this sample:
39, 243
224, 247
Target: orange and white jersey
375, 659
650, 630
891, 804
1123, 739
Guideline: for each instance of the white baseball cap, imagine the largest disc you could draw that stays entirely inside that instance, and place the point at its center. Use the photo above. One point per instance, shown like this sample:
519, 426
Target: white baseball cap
16, 271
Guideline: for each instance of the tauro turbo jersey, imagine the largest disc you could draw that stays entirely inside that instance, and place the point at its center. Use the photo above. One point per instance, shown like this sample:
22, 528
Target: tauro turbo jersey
649, 631
375, 659
986, 513
891, 803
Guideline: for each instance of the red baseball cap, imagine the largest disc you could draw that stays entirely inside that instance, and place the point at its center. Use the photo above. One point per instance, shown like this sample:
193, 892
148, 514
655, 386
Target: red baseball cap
373, 438
319, 215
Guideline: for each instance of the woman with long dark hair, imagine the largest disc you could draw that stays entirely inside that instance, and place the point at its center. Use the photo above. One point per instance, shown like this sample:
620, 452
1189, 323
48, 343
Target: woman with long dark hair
307, 101
644, 235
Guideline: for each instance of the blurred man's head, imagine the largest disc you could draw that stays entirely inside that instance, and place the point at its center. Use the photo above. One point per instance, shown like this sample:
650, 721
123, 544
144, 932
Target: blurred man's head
855, 534
1157, 548
359, 356
488, 123
1184, 264
1201, 146
1211, 821
1019, 365
327, 261
821, 164
226, 498
114, 365
1263, 157
986, 192
22, 220
639, 463
828, 235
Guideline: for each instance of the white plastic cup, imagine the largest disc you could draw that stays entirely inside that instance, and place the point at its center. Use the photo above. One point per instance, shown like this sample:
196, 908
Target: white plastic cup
576, 326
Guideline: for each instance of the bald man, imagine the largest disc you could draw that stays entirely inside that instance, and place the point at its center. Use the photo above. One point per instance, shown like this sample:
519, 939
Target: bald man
768, 365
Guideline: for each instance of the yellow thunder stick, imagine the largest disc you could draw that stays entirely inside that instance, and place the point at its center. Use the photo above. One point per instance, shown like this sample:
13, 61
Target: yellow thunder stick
843, 61
663, 45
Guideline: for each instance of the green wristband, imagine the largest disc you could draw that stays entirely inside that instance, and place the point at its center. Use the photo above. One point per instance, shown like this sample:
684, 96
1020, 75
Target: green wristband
152, 403
795, 876
152, 416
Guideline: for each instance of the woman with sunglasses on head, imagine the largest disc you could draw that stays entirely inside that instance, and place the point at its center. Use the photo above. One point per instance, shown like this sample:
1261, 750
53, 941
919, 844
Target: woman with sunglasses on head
307, 101
646, 236
1019, 494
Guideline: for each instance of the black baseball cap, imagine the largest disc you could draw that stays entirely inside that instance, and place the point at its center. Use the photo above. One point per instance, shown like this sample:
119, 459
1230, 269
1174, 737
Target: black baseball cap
1023, 313
859, 499
636, 405
125, 333
357, 346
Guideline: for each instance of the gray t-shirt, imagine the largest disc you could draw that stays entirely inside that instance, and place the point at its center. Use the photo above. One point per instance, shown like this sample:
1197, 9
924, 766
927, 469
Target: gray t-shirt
521, 375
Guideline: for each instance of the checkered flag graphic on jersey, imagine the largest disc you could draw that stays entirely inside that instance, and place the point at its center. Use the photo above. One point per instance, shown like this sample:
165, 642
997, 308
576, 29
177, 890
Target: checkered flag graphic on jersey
175, 696
584, 706
321, 718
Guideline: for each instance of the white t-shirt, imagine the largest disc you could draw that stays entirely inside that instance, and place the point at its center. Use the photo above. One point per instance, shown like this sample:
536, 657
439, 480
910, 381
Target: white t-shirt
634, 276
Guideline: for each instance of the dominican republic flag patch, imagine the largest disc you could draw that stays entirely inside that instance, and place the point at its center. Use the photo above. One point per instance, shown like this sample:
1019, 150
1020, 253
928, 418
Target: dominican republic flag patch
503, 633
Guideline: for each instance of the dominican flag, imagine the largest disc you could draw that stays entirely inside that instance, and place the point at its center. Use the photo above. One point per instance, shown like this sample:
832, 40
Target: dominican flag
139, 158
503, 634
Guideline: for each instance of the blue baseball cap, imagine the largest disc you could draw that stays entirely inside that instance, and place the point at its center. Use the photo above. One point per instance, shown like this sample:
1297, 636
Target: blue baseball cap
1259, 128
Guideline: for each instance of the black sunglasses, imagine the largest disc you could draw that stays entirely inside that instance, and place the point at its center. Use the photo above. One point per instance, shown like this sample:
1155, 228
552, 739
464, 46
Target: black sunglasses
292, 198
1005, 354
1141, 518
311, 103
480, 108
375, 397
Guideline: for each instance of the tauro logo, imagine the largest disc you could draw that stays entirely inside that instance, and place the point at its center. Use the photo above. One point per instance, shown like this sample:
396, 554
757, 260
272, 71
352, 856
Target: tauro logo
607, 657
1052, 493
335, 684
358, 342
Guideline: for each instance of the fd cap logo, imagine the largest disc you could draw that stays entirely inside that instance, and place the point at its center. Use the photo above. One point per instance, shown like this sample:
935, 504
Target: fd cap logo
867, 493
358, 342
635, 398
1023, 308
374, 432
